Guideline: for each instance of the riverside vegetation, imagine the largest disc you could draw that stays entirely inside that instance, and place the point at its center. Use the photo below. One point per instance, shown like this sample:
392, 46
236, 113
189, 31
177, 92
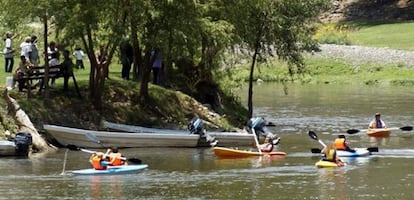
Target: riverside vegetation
320, 68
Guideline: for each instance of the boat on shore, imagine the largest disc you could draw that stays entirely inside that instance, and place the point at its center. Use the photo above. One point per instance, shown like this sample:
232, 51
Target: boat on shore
225, 139
20, 146
79, 137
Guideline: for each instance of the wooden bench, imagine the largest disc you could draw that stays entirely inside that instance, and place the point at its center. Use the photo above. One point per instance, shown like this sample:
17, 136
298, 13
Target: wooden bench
37, 74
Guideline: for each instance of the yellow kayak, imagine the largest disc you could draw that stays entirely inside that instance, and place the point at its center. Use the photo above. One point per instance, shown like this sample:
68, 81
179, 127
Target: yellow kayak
378, 132
324, 164
235, 153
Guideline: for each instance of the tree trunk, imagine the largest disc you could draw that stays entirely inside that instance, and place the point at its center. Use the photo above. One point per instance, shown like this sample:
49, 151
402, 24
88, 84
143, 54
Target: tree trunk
250, 98
25, 125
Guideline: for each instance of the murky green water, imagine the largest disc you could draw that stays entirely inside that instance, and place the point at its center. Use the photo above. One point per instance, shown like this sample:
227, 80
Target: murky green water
197, 174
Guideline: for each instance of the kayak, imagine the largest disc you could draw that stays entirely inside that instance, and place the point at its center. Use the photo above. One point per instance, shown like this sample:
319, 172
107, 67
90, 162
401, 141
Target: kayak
123, 169
359, 152
235, 153
379, 132
326, 164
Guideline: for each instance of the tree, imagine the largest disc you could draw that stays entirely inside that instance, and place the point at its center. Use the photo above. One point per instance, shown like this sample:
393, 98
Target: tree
268, 26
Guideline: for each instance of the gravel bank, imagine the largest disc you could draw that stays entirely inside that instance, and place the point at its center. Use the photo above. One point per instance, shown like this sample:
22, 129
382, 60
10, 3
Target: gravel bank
360, 54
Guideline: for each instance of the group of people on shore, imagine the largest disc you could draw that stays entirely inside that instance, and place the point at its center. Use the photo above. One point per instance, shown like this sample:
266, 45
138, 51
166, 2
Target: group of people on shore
30, 58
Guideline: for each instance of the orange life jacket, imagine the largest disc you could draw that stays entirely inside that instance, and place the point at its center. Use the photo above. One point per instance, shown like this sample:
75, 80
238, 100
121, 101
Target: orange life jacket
116, 160
96, 163
340, 144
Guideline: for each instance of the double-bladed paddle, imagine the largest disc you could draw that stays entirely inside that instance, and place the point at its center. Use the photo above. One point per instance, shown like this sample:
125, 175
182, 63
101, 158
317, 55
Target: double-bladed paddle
404, 128
76, 148
370, 149
94, 139
315, 137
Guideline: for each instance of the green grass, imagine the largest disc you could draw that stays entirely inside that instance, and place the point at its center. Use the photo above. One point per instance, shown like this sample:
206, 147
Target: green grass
393, 35
372, 34
82, 75
331, 71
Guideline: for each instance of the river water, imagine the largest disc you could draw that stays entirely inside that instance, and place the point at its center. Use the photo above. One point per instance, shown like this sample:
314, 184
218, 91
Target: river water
196, 173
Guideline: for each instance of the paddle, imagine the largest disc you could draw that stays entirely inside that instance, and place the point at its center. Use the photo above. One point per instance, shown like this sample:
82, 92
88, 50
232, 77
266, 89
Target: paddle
93, 138
256, 140
404, 128
76, 148
370, 149
315, 137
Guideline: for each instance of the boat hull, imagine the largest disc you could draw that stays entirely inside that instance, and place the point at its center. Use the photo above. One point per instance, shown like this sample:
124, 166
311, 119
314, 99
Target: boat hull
379, 132
7, 148
359, 152
234, 153
326, 164
124, 169
225, 139
78, 137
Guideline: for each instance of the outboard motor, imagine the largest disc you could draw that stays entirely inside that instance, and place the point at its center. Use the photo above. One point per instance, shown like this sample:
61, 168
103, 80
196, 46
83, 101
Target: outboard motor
23, 141
259, 126
196, 127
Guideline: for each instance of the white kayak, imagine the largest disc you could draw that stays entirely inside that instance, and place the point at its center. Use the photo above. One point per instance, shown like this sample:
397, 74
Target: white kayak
359, 152
123, 169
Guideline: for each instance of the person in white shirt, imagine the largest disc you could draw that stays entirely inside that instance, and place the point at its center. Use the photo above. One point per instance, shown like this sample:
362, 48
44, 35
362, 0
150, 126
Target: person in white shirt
8, 52
26, 48
78, 53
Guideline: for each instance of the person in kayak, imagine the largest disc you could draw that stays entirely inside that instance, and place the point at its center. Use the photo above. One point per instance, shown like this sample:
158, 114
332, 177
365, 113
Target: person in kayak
329, 154
377, 122
269, 142
98, 161
115, 158
341, 143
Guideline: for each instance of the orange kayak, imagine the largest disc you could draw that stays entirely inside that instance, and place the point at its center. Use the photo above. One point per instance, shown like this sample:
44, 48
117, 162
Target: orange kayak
235, 153
379, 132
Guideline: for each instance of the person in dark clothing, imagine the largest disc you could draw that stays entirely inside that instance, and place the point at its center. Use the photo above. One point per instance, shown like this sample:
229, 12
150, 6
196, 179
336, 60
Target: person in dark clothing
67, 69
127, 58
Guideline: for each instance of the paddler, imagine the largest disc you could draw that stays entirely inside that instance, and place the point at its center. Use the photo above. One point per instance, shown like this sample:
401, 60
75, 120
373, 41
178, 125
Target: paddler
341, 143
115, 157
377, 122
329, 154
269, 142
98, 161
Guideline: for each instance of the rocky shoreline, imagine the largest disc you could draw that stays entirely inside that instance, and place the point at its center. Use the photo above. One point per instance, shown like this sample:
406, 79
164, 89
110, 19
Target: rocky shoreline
361, 54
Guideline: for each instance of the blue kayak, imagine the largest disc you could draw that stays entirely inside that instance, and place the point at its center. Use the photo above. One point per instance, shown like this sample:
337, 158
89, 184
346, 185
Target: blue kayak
359, 152
123, 169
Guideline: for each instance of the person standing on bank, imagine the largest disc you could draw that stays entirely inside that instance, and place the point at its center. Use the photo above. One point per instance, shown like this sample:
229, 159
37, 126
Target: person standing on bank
8, 52
78, 53
156, 58
127, 57
34, 53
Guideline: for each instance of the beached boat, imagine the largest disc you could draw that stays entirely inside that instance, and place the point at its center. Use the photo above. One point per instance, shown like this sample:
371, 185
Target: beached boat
225, 139
19, 146
79, 137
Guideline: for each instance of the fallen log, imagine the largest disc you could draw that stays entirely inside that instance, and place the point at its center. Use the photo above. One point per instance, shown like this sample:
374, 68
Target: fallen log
25, 125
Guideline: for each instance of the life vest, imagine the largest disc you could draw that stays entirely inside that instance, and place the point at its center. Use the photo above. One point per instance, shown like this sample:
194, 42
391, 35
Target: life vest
340, 144
331, 155
96, 163
267, 147
377, 124
116, 157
